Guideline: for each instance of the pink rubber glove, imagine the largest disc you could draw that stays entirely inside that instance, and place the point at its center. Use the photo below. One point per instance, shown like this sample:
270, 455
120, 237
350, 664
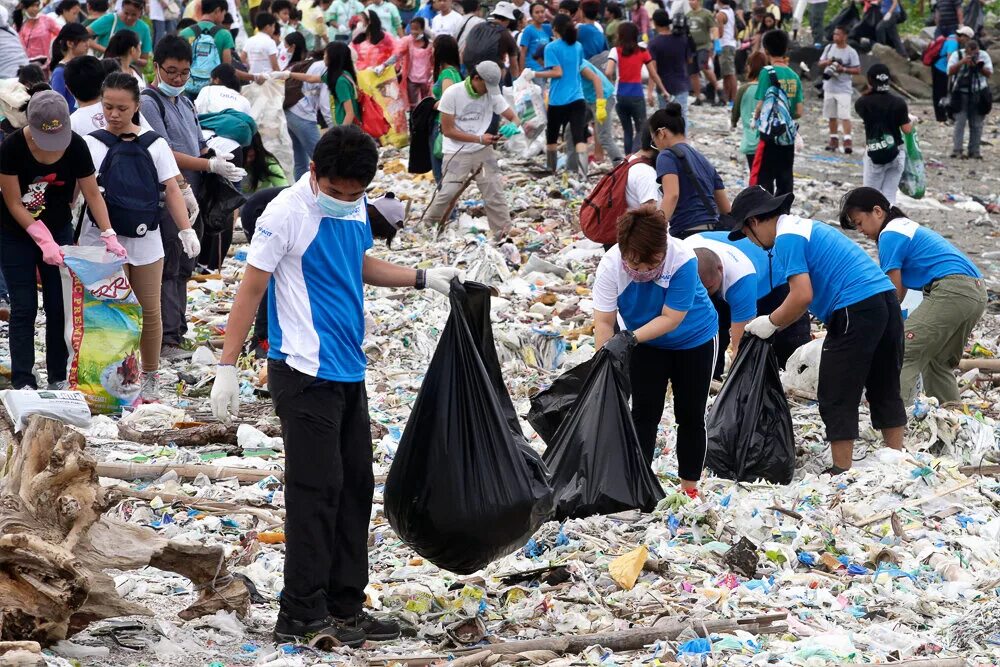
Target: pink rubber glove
111, 243
40, 234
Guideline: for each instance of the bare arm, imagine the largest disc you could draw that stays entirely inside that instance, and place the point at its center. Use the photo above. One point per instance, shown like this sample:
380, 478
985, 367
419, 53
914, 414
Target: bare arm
590, 76
795, 305
449, 130
379, 273
756, 110
10, 188
654, 76
609, 69
896, 276
722, 201
798, 110
95, 201
248, 297
671, 193
554, 72
668, 320
509, 115
604, 327
175, 204
736, 330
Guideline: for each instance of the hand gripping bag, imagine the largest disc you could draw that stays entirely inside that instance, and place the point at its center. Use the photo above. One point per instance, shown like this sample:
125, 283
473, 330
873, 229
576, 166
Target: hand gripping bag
595, 461
749, 426
465, 488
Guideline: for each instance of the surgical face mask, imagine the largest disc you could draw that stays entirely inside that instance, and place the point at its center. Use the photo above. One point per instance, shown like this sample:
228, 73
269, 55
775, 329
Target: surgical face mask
643, 276
333, 207
168, 90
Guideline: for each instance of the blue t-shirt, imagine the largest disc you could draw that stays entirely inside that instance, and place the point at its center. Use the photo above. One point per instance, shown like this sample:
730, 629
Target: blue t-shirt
842, 274
589, 93
678, 288
921, 254
567, 88
887, 5
949, 47
739, 277
532, 39
315, 298
690, 210
770, 271
592, 39
58, 83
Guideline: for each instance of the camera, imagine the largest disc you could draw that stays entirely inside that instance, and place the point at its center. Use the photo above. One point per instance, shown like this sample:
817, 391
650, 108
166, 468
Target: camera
831, 70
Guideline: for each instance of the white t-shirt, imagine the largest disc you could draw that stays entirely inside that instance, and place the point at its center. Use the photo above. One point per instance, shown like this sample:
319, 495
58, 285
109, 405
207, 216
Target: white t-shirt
641, 186
729, 30
259, 50
472, 115
89, 118
448, 24
214, 99
149, 248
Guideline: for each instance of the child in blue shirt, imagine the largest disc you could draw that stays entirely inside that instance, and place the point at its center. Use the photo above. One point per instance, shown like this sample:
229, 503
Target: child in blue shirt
917, 258
842, 287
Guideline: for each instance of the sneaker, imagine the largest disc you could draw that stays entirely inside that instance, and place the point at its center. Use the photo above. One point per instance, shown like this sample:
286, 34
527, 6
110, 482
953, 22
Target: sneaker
174, 352
150, 388
848, 146
57, 386
955, 155
290, 630
975, 156
376, 629
833, 145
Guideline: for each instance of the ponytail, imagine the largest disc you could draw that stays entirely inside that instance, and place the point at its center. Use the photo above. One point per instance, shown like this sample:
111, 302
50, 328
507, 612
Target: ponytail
865, 200
563, 25
71, 32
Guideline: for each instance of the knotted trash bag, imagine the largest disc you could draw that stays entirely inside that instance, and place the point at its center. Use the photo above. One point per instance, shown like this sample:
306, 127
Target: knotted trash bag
749, 426
550, 407
465, 488
914, 180
596, 464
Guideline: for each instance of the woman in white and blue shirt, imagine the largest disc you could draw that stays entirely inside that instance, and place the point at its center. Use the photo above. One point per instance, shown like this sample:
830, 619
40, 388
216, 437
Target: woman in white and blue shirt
917, 258
649, 283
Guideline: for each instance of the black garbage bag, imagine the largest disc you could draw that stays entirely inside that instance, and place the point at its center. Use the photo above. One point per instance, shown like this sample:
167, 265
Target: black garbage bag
596, 464
848, 17
749, 426
218, 199
863, 34
465, 488
550, 407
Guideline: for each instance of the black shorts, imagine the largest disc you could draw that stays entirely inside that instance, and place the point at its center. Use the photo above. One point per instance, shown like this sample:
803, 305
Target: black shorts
701, 61
862, 351
573, 114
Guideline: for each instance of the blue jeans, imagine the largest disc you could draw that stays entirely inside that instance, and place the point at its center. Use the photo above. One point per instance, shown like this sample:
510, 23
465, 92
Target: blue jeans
680, 98
305, 136
632, 114
161, 28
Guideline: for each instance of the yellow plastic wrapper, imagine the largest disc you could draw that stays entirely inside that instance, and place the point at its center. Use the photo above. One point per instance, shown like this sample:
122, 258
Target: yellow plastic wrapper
626, 568
385, 90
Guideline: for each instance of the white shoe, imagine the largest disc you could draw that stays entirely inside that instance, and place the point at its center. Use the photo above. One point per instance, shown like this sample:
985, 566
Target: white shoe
150, 390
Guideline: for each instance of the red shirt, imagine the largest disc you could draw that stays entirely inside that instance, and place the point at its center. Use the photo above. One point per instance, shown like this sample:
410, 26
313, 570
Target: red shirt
630, 71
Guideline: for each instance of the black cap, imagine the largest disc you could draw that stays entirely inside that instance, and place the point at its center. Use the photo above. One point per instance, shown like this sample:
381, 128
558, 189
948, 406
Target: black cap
753, 202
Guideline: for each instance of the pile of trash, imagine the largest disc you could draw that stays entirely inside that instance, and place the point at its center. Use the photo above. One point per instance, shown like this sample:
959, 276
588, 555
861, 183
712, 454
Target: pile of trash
897, 560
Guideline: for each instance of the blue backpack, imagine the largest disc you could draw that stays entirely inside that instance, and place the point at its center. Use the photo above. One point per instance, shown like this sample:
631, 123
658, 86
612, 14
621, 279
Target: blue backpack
204, 58
132, 189
776, 124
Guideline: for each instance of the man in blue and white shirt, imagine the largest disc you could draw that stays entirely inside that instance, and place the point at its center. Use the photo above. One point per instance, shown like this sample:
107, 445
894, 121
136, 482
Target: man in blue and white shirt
309, 254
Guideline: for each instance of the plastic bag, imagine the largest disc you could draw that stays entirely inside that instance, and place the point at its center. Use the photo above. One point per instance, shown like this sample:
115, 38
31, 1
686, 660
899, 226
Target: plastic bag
464, 488
103, 322
69, 407
267, 108
749, 426
914, 180
596, 464
550, 407
384, 91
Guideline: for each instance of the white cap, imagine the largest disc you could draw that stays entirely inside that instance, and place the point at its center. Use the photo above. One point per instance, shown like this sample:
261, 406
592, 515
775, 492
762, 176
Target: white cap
966, 30
504, 10
489, 72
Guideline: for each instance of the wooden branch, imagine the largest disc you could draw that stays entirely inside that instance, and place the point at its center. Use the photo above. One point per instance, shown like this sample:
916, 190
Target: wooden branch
195, 436
269, 517
987, 365
980, 470
910, 504
938, 662
127, 470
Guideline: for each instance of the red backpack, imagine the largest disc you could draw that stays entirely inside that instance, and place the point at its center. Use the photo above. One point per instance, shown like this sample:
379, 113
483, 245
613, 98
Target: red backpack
372, 119
933, 50
606, 203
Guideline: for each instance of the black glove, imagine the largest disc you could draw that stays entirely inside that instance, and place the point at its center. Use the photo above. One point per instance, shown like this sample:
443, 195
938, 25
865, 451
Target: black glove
621, 344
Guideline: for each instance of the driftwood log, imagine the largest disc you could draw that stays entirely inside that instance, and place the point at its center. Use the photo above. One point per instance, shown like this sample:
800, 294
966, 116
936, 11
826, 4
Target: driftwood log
55, 544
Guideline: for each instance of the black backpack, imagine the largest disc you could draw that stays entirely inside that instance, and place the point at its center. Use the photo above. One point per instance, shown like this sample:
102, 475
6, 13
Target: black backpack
293, 87
483, 45
131, 187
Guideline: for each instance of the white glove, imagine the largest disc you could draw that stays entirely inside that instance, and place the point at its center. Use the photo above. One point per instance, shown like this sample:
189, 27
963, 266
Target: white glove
190, 203
528, 74
439, 280
225, 398
280, 75
190, 242
229, 171
761, 327
379, 69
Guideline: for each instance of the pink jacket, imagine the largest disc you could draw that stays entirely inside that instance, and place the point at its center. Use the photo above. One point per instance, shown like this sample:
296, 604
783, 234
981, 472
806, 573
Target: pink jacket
37, 35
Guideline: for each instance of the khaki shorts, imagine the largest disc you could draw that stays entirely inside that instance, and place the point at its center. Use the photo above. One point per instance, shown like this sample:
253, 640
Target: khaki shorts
727, 61
837, 105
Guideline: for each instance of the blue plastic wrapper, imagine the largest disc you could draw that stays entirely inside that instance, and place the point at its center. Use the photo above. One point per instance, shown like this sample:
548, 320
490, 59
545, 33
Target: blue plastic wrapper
695, 646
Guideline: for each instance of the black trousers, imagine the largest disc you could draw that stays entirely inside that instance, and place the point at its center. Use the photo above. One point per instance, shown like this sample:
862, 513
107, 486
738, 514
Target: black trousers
862, 351
772, 169
20, 258
725, 321
328, 492
690, 373
791, 337
939, 91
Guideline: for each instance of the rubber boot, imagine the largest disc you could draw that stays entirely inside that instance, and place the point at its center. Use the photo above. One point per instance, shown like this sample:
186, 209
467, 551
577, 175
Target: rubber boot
584, 161
551, 160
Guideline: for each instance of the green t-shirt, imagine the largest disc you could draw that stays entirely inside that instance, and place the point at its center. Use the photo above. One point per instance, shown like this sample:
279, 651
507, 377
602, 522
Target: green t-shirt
223, 38
611, 32
111, 23
344, 92
447, 74
787, 79
700, 24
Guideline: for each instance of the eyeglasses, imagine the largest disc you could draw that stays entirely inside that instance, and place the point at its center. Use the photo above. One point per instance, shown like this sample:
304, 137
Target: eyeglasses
172, 72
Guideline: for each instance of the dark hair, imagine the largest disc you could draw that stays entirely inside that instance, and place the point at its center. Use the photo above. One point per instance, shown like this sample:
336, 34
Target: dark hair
66, 5
338, 60
185, 23
345, 151
646, 139
661, 19
669, 117
29, 75
259, 168
615, 10
121, 43
210, 6
110, 66
138, 4
775, 43
563, 25
571, 6
755, 63
419, 20
226, 74
445, 54
628, 38
373, 33
642, 234
228, 19
263, 20
172, 46
842, 28
123, 81
84, 76
297, 41
470, 7
531, 9
865, 200
98, 5
591, 9
280, 6
71, 32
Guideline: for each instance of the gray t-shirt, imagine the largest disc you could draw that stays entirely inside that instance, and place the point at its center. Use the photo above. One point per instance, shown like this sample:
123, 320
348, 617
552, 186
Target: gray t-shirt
180, 127
848, 57
11, 53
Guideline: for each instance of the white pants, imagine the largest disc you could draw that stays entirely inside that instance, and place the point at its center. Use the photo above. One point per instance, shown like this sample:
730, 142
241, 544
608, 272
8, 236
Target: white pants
885, 177
837, 105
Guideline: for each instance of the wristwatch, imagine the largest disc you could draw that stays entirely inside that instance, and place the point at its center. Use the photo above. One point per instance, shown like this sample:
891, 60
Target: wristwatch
421, 281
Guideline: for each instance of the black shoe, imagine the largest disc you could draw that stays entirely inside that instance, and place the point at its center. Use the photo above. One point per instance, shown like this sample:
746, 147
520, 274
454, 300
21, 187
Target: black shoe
376, 629
290, 630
